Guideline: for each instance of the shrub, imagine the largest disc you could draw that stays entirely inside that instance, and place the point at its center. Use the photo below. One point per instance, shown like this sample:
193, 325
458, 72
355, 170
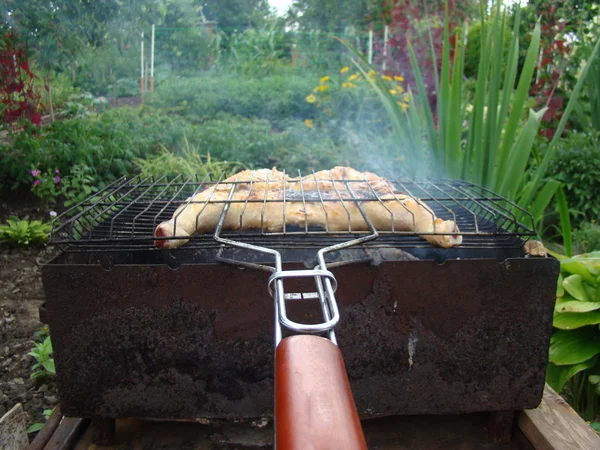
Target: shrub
346, 97
62, 89
587, 237
251, 143
576, 164
275, 98
103, 70
106, 143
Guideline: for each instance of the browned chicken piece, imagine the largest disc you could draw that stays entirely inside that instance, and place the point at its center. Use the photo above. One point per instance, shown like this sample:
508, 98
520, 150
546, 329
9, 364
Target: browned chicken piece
337, 213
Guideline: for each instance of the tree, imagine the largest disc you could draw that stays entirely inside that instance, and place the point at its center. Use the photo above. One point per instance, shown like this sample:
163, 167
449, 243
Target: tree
328, 15
236, 15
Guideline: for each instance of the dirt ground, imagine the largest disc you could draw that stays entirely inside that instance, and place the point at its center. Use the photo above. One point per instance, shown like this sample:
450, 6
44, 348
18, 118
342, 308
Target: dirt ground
21, 294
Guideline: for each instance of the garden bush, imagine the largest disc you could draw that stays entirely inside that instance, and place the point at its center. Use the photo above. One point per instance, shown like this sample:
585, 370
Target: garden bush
252, 143
106, 143
576, 164
109, 142
107, 71
345, 97
587, 237
274, 98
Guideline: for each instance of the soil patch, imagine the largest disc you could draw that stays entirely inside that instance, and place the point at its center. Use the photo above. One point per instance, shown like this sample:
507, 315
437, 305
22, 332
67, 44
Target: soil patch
21, 294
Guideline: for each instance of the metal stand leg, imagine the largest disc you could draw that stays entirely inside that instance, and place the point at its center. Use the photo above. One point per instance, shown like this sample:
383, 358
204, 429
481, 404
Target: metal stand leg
103, 431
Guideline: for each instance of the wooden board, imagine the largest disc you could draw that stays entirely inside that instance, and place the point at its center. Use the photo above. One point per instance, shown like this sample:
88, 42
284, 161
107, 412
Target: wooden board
554, 425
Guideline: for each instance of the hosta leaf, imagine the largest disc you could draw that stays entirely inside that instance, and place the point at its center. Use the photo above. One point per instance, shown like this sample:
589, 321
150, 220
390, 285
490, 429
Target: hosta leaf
574, 347
557, 376
560, 290
575, 306
584, 268
571, 321
574, 285
592, 291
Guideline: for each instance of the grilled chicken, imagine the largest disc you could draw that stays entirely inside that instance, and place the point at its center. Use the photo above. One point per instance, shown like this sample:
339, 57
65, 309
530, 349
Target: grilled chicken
258, 203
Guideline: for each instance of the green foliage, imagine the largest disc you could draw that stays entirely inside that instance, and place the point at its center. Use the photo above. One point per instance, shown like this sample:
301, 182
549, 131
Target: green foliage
193, 48
41, 334
576, 164
110, 71
258, 52
236, 14
252, 143
106, 143
495, 150
575, 344
327, 14
46, 186
73, 188
38, 426
593, 91
22, 233
473, 48
187, 164
78, 185
587, 237
44, 366
343, 97
61, 84
275, 98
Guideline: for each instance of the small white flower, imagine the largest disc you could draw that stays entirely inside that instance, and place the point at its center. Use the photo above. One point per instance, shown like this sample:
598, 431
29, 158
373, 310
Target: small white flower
52, 213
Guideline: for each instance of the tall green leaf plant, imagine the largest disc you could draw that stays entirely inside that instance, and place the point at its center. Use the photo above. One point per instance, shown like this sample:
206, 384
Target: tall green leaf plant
494, 147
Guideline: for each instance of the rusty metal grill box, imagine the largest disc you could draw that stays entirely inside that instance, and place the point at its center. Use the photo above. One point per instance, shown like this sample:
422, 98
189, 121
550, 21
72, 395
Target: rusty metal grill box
178, 334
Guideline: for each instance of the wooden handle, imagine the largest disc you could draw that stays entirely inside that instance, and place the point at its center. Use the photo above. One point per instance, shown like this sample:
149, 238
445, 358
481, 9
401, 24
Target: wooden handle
314, 407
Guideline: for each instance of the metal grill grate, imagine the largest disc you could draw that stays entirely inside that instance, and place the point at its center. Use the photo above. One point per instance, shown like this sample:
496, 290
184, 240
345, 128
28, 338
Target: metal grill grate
125, 214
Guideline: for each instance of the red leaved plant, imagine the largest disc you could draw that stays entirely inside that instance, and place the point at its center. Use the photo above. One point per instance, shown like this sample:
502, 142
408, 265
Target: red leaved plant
18, 95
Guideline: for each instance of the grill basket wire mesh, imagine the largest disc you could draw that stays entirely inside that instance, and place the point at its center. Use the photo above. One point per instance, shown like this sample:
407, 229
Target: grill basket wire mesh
124, 215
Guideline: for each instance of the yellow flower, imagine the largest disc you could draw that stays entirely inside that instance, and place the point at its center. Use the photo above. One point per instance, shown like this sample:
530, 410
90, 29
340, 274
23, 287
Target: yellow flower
371, 73
311, 98
400, 89
403, 106
393, 91
345, 69
308, 123
386, 78
325, 79
353, 77
321, 88
398, 78
348, 85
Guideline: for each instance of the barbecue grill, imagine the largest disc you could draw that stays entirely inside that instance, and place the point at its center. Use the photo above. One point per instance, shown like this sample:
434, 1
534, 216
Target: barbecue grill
187, 333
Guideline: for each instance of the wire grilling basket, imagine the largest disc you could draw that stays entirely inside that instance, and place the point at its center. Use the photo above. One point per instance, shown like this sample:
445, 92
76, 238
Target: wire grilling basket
124, 215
